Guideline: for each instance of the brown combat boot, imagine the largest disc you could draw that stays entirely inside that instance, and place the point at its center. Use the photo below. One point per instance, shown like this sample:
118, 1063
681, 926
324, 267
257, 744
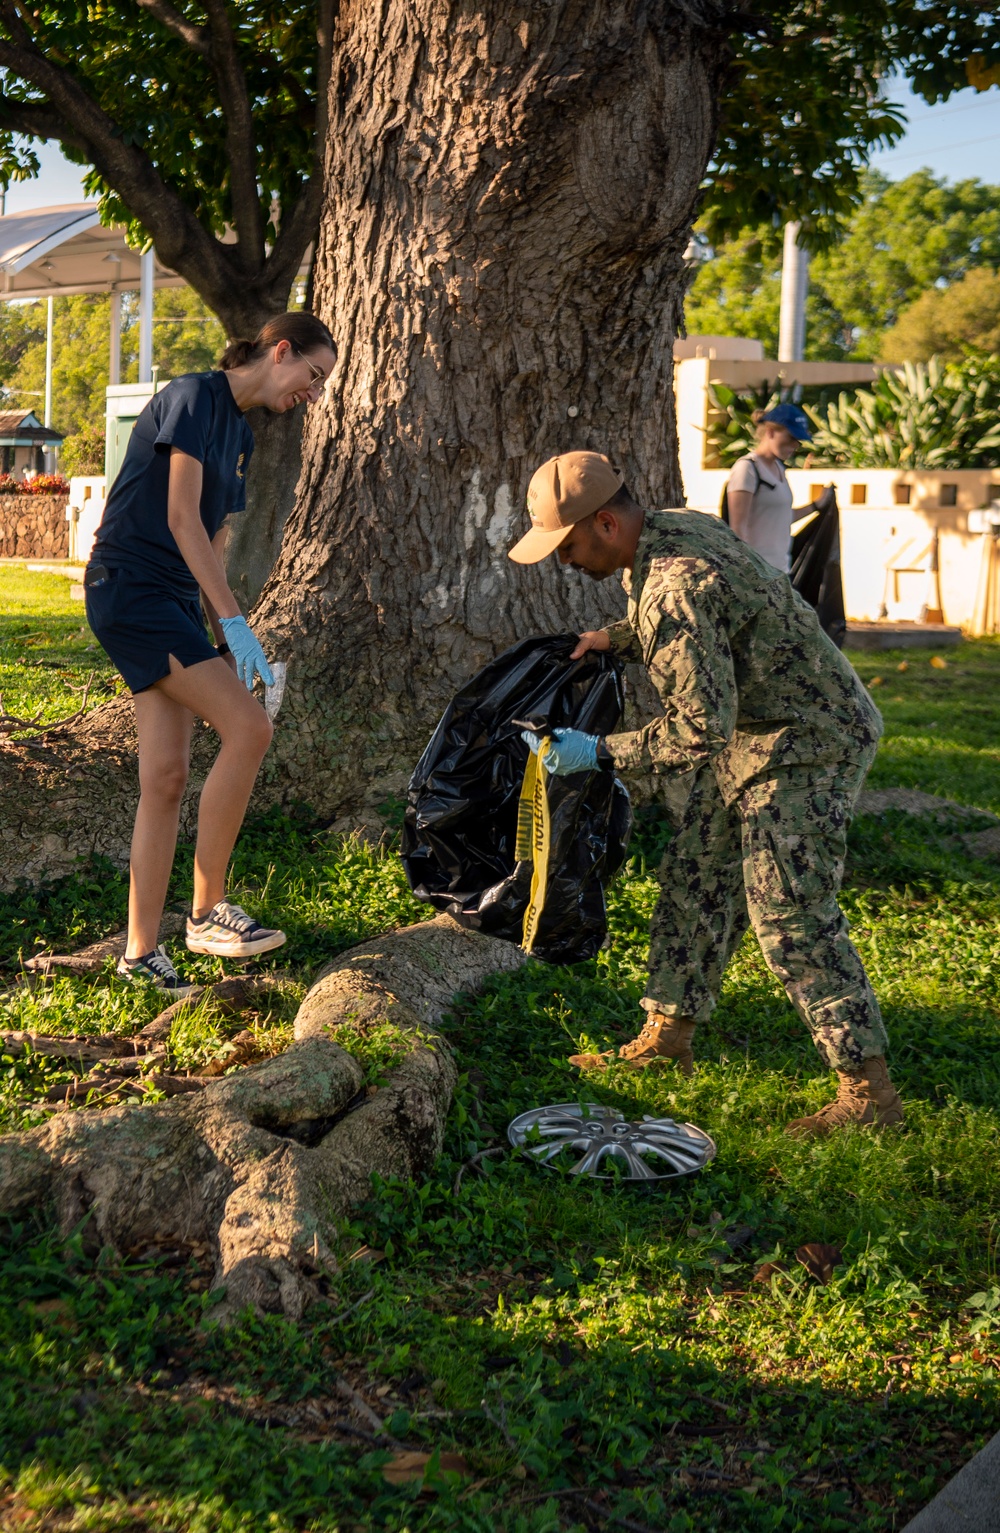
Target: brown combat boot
661, 1038
866, 1097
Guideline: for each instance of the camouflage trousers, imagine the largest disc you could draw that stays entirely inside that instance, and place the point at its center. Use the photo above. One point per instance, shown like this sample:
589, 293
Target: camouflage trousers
773, 860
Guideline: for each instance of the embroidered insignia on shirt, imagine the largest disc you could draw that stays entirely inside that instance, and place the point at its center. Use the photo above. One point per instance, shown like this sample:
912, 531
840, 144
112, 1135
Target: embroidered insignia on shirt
239, 465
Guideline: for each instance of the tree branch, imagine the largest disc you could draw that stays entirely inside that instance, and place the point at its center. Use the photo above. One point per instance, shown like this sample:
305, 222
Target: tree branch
241, 141
36, 120
300, 225
161, 11
181, 241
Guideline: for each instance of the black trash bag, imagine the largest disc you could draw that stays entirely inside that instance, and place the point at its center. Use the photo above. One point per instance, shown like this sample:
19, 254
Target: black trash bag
815, 572
460, 828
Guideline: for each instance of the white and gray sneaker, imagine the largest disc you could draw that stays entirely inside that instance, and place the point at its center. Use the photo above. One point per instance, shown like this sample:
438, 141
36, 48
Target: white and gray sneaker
154, 969
228, 932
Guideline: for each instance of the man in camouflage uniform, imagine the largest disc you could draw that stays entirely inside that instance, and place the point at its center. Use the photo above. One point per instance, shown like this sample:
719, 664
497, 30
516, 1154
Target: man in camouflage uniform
768, 734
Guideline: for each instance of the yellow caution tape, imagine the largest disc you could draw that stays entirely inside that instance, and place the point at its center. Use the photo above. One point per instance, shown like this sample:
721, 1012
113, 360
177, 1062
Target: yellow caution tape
534, 833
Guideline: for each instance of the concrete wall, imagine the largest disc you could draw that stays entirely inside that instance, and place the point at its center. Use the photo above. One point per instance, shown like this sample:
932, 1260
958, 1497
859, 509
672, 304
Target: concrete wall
887, 548
892, 520
33, 527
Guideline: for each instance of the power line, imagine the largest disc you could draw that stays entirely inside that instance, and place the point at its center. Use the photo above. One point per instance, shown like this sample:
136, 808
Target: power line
948, 111
917, 154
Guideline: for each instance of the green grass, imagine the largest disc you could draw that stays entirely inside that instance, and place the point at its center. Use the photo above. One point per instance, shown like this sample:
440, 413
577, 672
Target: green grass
47, 652
564, 1336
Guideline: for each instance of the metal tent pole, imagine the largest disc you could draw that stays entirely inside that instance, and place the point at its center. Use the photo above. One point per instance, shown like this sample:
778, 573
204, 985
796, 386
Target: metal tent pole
115, 348
48, 361
48, 457
146, 317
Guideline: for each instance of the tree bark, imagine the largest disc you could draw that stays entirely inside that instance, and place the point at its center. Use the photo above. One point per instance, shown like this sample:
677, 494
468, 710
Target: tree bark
260, 1165
255, 535
501, 261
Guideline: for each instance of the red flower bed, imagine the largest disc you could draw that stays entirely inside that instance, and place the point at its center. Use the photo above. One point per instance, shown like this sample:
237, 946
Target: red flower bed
42, 484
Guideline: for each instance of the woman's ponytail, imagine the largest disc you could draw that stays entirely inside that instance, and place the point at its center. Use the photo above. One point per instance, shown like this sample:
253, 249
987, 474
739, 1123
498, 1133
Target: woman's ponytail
302, 331
236, 354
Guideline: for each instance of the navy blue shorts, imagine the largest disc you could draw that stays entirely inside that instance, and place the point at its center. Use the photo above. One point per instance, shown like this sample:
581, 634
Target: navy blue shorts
140, 624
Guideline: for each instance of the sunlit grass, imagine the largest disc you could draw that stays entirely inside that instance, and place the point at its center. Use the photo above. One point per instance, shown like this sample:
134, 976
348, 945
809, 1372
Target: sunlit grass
563, 1334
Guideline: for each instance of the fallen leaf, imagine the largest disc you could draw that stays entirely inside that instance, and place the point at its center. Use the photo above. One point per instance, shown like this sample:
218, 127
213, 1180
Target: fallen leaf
904, 665
956, 1357
938, 663
977, 1356
765, 1273
819, 1260
404, 1467
876, 681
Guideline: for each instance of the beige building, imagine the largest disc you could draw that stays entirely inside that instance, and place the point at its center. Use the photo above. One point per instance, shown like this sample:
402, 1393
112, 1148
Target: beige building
914, 542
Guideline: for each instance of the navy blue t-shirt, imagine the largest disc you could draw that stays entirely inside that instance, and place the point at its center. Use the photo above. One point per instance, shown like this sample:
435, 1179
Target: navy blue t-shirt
197, 414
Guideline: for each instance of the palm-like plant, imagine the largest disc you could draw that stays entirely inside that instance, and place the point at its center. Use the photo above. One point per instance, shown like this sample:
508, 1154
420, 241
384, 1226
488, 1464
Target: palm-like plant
928, 415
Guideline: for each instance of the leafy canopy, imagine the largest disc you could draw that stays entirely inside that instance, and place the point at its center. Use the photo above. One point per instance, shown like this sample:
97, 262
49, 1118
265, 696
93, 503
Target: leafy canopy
804, 108
903, 238
949, 322
221, 98
166, 98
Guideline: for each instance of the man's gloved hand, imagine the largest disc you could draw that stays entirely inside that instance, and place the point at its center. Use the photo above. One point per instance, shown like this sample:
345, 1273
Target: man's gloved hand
570, 751
246, 651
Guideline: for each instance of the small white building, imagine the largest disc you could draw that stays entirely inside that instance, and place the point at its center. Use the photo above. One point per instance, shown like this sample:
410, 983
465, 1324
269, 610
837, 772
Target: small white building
911, 539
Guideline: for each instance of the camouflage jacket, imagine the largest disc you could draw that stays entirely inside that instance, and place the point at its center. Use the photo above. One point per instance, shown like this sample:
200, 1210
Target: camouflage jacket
748, 679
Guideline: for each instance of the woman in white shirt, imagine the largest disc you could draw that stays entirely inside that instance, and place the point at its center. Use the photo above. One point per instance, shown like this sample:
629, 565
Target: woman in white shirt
758, 495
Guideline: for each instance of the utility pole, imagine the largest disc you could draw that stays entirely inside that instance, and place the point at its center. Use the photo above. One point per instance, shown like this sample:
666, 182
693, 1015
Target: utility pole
794, 287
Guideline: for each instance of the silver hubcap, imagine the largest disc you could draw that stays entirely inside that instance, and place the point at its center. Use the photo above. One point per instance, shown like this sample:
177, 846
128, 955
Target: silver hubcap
595, 1141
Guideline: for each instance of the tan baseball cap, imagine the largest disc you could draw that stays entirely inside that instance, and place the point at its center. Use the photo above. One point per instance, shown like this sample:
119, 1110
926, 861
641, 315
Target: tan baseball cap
564, 491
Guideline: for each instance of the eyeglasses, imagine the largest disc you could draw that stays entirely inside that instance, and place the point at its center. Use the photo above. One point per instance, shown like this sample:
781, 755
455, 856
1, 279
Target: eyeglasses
317, 378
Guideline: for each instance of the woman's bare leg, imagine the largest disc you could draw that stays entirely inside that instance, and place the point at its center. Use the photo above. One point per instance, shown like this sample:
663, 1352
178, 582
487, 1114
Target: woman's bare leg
164, 728
215, 693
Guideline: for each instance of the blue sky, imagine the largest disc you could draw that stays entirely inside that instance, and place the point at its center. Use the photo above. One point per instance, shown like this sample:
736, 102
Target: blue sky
957, 139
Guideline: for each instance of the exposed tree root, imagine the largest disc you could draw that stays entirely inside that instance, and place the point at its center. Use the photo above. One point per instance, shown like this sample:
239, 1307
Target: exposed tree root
89, 959
261, 1164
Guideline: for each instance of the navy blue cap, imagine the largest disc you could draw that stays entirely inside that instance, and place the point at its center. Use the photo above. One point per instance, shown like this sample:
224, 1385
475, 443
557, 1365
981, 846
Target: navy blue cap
793, 419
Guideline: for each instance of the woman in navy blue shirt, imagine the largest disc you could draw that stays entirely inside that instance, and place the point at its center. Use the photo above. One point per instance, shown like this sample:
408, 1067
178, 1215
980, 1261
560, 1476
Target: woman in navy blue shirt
156, 571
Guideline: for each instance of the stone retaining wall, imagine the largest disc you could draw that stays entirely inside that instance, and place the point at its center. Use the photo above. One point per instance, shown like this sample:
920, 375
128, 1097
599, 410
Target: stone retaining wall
34, 527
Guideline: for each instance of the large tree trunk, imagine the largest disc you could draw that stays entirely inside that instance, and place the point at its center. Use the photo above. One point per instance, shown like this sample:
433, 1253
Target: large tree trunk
507, 205
255, 535
501, 261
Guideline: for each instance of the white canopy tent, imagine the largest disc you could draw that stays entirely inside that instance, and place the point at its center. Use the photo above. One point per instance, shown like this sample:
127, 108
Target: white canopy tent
60, 251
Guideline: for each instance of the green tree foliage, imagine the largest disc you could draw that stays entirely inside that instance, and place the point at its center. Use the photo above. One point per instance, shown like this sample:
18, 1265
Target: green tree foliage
198, 115
196, 118
902, 239
804, 108
83, 452
949, 322
21, 326
186, 338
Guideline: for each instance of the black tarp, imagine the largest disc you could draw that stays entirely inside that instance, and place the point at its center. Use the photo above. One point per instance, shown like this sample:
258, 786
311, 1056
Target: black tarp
460, 826
815, 572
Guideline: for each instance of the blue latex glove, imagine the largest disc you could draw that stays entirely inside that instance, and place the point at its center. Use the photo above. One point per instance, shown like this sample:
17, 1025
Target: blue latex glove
571, 751
246, 651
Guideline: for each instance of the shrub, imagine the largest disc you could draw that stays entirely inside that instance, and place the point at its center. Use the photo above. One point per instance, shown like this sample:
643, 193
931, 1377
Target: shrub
83, 452
930, 415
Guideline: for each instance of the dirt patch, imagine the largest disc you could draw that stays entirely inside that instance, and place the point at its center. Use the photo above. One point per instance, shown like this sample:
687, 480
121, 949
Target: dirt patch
912, 801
